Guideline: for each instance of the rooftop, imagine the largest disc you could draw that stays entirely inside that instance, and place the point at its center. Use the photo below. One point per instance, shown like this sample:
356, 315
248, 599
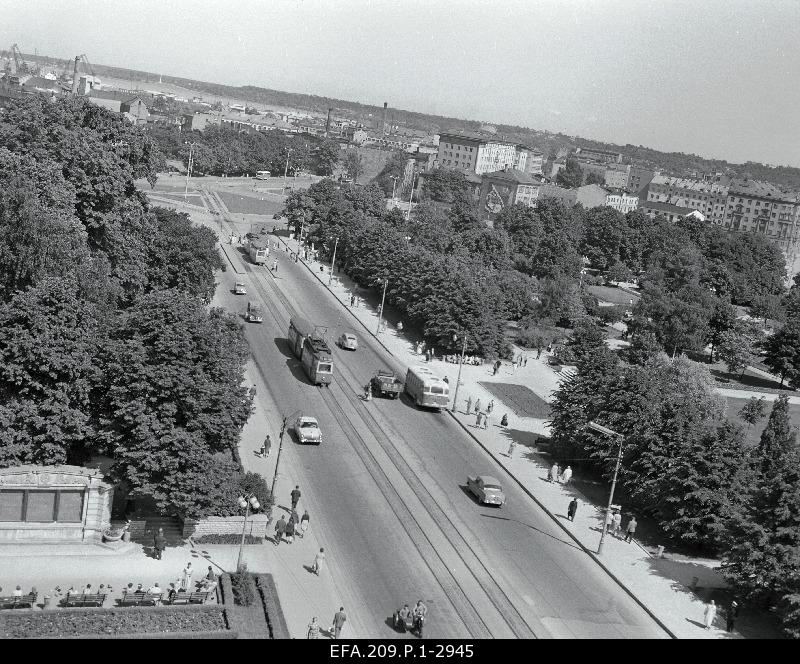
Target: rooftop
690, 184
758, 189
511, 175
658, 206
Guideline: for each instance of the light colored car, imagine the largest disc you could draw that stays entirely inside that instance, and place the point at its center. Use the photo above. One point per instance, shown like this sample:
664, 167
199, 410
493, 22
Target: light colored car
486, 489
239, 288
307, 430
348, 340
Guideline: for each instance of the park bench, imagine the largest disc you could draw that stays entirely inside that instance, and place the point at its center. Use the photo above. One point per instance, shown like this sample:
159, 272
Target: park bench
84, 599
140, 598
184, 597
24, 601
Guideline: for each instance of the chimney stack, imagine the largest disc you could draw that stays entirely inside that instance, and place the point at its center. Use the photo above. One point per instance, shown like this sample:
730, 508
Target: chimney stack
384, 118
328, 124
75, 78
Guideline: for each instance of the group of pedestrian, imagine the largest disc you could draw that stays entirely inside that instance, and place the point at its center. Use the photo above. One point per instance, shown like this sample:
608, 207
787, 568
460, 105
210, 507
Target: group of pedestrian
481, 416
555, 474
339, 619
710, 614
430, 354
295, 525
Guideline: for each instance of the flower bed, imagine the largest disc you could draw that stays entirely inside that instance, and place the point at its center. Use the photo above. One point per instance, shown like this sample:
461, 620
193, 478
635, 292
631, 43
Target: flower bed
227, 539
134, 620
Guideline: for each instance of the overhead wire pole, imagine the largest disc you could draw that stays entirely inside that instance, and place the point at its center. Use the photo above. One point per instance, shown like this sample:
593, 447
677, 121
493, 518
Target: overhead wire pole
380, 311
286, 169
460, 366
333, 261
278, 459
189, 170
411, 198
608, 432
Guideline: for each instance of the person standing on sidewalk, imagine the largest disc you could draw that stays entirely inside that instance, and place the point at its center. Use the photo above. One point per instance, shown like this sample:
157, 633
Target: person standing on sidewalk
266, 446
554, 473
630, 531
566, 476
339, 619
159, 544
490, 407
290, 530
616, 524
469, 404
731, 615
186, 577
304, 524
487, 420
319, 560
478, 418
709, 614
478, 407
572, 509
280, 528
295, 496
538, 351
313, 629
504, 420
514, 366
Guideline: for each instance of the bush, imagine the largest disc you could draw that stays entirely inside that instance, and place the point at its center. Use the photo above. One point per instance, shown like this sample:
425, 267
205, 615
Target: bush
230, 538
592, 280
244, 591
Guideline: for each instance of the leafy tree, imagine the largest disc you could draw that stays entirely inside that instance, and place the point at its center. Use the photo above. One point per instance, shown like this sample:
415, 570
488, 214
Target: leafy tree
783, 351
722, 320
753, 410
560, 301
390, 179
765, 307
587, 339
571, 176
445, 185
595, 178
617, 272
173, 400
558, 250
735, 350
48, 335
762, 559
643, 349
326, 158
353, 165
525, 230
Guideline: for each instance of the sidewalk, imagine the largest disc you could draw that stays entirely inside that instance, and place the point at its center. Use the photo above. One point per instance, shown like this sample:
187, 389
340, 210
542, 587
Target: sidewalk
661, 585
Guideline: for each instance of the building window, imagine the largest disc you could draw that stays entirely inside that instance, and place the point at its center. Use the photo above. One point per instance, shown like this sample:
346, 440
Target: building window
41, 505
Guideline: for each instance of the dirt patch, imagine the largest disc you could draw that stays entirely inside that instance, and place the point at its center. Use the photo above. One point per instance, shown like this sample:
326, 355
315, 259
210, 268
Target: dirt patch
522, 401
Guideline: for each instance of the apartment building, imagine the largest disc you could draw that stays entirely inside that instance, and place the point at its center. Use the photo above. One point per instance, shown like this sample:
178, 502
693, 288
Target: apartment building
503, 188
474, 153
528, 160
759, 207
639, 178
707, 197
616, 176
593, 154
622, 201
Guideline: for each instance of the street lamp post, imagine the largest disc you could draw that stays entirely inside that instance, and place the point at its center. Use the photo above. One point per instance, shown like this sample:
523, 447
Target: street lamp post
394, 184
411, 198
278, 459
189, 170
333, 261
286, 170
460, 366
608, 432
380, 311
246, 502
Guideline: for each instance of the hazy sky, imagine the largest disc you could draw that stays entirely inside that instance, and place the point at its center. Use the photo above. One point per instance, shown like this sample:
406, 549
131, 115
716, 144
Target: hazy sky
715, 77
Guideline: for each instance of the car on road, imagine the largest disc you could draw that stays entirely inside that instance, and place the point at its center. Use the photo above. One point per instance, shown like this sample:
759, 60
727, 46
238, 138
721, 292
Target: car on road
239, 288
486, 489
307, 430
254, 314
348, 341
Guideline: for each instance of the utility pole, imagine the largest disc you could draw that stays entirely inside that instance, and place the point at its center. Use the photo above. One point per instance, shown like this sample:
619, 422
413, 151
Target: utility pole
394, 184
277, 461
333, 262
411, 198
380, 311
286, 170
189, 170
608, 432
460, 366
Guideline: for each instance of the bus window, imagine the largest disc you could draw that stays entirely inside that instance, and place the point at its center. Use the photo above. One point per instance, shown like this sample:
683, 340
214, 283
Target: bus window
436, 390
324, 368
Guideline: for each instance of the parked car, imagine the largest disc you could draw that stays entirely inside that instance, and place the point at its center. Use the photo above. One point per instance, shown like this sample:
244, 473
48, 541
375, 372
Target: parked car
307, 430
239, 288
386, 383
348, 341
486, 489
254, 314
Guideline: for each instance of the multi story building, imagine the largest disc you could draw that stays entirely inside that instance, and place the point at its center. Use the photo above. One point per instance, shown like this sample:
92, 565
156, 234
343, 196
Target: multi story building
706, 197
503, 188
624, 202
473, 153
670, 212
594, 154
616, 176
759, 207
590, 195
639, 178
528, 160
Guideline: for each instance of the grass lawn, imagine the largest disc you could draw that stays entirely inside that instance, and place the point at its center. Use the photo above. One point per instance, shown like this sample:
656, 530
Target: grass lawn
613, 295
754, 432
238, 204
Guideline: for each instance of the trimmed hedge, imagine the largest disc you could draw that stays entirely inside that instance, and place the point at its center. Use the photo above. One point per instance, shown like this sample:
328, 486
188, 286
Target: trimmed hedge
278, 629
227, 539
117, 621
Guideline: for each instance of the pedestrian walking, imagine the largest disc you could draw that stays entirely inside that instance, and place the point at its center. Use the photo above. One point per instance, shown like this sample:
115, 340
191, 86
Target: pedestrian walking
709, 614
731, 615
630, 531
478, 406
266, 446
511, 447
525, 361
367, 392
572, 509
538, 352
159, 544
313, 629
514, 366
290, 530
554, 472
616, 524
478, 417
280, 528
319, 560
496, 367
275, 265
352, 300
566, 476
490, 407
295, 496
469, 404
186, 577
504, 420
339, 619
304, 524
446, 379
252, 392
487, 420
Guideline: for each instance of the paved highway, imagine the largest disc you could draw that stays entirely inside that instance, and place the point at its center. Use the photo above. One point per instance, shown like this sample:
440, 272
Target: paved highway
387, 485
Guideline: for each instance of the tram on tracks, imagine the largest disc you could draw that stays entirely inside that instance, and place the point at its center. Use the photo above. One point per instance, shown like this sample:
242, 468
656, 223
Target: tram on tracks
308, 343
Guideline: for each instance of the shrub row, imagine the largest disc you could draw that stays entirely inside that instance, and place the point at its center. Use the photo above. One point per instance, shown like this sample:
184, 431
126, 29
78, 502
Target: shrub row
230, 538
278, 629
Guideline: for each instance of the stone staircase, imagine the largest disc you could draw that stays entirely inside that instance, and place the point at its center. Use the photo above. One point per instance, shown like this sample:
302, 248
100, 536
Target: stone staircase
173, 531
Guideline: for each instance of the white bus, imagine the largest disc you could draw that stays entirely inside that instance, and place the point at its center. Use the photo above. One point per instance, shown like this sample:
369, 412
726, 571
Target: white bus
262, 175
426, 388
